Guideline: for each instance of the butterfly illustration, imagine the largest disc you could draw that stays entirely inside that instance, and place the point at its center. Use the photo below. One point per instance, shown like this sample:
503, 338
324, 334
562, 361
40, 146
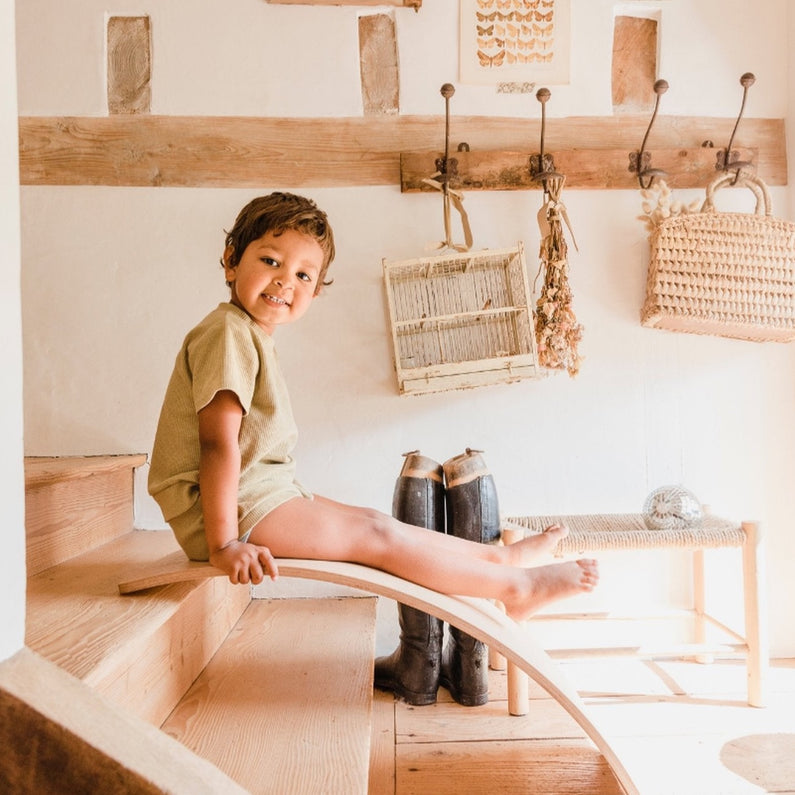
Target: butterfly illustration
535, 56
541, 17
544, 30
485, 31
486, 17
485, 3
491, 60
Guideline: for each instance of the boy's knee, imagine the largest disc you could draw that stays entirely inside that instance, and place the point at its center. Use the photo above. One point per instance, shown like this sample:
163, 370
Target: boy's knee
382, 529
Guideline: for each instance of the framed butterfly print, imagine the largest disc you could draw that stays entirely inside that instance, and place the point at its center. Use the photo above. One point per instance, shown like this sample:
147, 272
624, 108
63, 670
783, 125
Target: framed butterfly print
506, 41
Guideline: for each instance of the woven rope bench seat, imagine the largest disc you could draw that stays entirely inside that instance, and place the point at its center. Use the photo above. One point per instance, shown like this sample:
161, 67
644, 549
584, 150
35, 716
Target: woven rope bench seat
603, 532
600, 532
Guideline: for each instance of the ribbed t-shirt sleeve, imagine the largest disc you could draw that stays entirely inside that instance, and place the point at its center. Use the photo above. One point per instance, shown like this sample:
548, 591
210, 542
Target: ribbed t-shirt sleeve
223, 357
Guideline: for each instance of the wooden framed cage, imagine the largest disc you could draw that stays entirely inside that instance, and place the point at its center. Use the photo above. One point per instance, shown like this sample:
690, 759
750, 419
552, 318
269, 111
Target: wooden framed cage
461, 320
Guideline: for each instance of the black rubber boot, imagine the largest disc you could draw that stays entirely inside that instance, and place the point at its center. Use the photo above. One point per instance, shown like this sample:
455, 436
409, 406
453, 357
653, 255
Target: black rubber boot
412, 671
472, 513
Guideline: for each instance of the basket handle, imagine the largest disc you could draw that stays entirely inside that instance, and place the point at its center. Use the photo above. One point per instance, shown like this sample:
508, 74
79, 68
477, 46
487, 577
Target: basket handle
750, 181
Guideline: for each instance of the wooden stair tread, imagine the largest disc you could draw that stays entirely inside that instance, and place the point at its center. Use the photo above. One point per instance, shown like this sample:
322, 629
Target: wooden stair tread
122, 646
285, 704
43, 470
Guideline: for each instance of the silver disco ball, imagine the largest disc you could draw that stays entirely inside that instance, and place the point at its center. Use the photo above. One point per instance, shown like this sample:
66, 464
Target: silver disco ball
671, 508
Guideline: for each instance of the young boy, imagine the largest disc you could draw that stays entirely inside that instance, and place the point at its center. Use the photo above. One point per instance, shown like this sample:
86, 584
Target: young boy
222, 470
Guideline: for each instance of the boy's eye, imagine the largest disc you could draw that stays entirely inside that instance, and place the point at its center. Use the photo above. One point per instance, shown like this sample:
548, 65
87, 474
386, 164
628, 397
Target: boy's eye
304, 277
270, 261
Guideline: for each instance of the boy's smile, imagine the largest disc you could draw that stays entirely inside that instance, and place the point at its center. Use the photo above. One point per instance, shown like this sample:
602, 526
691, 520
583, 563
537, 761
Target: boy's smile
276, 278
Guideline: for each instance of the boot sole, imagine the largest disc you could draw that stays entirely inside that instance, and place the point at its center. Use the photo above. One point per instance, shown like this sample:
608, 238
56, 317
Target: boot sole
464, 701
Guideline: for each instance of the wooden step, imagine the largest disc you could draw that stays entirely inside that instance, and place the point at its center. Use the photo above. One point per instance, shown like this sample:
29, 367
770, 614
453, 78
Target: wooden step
142, 651
76, 503
285, 705
59, 736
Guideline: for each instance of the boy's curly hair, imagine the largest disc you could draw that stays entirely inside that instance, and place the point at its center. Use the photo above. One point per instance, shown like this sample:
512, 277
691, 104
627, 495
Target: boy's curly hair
275, 213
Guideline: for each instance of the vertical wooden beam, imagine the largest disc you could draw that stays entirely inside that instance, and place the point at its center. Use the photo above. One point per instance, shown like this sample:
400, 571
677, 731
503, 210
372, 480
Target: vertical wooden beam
378, 64
129, 65
634, 64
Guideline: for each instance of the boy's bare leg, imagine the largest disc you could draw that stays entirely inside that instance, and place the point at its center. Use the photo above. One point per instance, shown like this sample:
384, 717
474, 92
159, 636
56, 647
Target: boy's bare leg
324, 530
526, 552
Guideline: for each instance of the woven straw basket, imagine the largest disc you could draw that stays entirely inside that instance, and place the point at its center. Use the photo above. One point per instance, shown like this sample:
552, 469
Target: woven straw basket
723, 273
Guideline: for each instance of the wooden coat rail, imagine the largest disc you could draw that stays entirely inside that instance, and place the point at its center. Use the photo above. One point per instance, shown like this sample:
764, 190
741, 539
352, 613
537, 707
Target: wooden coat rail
233, 152
603, 168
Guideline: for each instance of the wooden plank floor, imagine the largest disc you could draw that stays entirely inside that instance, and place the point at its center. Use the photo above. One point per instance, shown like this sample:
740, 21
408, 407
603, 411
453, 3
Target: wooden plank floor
681, 728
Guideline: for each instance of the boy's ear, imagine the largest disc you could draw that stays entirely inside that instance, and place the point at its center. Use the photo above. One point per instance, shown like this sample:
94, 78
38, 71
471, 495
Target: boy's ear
229, 269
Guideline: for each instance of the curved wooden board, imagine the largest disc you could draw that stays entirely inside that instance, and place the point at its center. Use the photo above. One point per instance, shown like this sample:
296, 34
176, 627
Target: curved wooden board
169, 569
477, 617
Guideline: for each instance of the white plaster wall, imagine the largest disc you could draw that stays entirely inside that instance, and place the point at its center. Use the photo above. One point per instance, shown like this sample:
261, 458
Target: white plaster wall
113, 278
12, 487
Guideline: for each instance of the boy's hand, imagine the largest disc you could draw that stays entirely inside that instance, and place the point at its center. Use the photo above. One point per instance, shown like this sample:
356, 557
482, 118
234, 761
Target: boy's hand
244, 563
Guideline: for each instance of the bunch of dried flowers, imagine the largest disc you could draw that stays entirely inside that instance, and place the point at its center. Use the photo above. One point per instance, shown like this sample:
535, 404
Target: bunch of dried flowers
558, 333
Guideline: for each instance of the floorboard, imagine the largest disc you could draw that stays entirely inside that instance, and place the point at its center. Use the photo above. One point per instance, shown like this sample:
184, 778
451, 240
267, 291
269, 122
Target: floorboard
680, 727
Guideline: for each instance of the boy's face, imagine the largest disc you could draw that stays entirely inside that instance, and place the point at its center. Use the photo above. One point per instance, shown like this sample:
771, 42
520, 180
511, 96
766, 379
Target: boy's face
276, 278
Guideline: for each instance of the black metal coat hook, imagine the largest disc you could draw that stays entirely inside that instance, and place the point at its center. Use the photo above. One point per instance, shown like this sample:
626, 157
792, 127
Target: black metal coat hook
447, 166
727, 160
542, 166
640, 161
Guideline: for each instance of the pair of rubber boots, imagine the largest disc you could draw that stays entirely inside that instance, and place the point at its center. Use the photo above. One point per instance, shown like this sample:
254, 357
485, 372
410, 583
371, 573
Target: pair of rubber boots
463, 491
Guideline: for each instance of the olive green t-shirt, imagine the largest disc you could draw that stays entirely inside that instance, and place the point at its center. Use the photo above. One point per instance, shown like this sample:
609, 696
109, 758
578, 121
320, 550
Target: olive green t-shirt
226, 351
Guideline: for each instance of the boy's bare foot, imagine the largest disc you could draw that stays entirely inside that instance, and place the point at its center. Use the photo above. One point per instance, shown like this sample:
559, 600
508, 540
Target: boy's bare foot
534, 548
546, 584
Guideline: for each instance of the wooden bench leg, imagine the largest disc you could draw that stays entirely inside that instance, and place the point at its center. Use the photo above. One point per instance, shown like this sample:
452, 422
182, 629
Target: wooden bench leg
700, 604
497, 661
518, 681
756, 635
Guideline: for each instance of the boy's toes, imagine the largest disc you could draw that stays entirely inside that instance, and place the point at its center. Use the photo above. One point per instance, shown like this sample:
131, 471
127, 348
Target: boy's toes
557, 530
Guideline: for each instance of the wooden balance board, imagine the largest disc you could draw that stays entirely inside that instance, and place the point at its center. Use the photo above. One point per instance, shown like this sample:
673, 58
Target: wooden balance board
477, 617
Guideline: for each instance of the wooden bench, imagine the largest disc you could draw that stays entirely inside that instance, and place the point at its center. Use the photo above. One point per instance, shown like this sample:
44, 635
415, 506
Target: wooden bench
478, 617
603, 532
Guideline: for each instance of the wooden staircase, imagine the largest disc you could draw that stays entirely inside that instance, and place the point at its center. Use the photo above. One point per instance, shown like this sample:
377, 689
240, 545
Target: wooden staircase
236, 682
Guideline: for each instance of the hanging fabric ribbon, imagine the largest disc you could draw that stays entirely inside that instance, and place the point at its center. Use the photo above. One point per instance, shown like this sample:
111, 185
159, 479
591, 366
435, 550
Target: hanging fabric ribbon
557, 331
457, 199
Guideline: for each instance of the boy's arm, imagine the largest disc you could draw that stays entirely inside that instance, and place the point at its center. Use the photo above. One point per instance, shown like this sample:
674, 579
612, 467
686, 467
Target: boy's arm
219, 476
